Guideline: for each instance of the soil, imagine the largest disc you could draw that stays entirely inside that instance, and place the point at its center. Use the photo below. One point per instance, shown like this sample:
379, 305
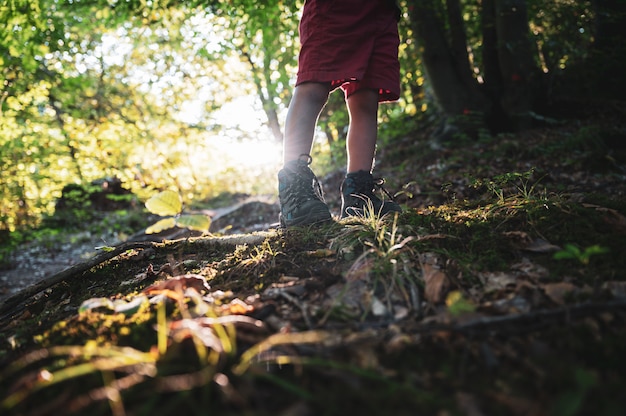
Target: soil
35, 261
498, 290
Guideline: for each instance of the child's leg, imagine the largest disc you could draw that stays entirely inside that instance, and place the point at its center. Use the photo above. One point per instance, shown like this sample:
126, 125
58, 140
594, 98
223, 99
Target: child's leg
357, 189
306, 104
363, 130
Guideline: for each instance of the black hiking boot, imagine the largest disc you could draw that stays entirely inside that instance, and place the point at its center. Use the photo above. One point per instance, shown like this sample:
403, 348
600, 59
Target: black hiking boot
300, 195
358, 198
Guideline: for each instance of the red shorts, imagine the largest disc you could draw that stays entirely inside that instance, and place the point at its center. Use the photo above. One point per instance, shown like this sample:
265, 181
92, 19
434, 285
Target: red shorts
352, 44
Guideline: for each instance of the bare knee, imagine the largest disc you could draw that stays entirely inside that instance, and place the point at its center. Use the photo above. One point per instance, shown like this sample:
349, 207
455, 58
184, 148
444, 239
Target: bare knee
363, 102
313, 92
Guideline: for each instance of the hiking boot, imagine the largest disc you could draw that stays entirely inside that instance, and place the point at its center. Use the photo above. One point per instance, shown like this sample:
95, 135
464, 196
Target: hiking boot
358, 198
300, 195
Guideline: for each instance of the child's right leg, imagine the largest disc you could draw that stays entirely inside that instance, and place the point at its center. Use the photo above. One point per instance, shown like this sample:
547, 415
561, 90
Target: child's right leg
304, 109
299, 192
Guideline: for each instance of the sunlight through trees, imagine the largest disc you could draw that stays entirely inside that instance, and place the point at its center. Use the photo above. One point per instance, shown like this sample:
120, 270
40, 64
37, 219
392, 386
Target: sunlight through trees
191, 96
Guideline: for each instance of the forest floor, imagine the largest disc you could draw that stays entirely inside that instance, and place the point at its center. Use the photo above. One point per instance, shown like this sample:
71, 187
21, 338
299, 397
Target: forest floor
501, 289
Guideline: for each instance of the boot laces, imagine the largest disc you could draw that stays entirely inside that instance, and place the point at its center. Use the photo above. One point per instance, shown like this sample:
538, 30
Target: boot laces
305, 185
378, 184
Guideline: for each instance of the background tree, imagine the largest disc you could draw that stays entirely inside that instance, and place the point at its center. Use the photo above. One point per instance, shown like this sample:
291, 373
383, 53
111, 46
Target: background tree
135, 89
496, 64
265, 34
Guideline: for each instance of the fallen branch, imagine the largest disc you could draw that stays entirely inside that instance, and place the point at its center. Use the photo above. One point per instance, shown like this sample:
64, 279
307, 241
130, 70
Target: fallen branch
9, 307
500, 324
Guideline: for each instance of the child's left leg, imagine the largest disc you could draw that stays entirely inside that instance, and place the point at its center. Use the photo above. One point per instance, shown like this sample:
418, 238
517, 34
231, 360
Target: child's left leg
363, 130
358, 188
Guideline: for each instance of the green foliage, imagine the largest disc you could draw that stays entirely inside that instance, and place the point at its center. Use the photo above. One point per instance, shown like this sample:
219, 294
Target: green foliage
511, 187
573, 252
457, 304
132, 89
170, 203
89, 110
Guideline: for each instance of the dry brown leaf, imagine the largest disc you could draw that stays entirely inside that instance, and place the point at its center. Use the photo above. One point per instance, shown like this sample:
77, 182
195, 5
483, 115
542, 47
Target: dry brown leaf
494, 281
179, 284
612, 217
557, 292
436, 282
530, 270
540, 245
519, 238
523, 241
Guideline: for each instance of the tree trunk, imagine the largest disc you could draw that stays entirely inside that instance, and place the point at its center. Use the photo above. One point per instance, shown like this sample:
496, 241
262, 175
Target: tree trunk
267, 102
446, 65
607, 64
515, 59
493, 82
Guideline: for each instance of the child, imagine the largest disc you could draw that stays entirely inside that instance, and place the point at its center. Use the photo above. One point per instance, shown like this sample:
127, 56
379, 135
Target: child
352, 45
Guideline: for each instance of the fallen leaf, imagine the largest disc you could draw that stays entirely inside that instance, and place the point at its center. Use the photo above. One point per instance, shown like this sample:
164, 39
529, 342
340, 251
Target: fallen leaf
541, 246
523, 241
436, 283
118, 305
495, 281
530, 270
557, 292
612, 217
179, 284
190, 328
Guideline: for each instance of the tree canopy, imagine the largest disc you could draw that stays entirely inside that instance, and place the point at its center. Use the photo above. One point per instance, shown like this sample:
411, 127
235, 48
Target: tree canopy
140, 90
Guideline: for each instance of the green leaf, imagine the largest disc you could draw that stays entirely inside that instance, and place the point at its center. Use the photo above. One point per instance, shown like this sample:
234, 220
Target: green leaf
457, 304
164, 224
106, 249
165, 203
194, 222
569, 251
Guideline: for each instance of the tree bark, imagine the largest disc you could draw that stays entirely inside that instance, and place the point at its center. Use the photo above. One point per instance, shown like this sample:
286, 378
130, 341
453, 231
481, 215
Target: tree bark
267, 102
515, 59
446, 64
607, 65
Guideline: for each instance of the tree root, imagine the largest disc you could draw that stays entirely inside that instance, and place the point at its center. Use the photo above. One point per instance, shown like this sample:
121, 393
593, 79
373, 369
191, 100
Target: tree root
11, 306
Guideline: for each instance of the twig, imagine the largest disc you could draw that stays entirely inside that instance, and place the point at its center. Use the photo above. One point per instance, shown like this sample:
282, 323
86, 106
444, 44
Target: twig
516, 323
523, 322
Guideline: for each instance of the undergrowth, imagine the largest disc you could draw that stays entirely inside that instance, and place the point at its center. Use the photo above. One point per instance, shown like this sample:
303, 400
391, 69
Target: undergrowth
506, 298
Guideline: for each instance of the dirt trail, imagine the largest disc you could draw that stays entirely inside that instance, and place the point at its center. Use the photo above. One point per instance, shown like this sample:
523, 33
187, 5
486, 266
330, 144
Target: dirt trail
35, 261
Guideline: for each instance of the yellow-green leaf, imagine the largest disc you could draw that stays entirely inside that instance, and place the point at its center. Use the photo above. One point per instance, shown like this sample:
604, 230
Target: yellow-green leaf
194, 222
165, 203
164, 224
